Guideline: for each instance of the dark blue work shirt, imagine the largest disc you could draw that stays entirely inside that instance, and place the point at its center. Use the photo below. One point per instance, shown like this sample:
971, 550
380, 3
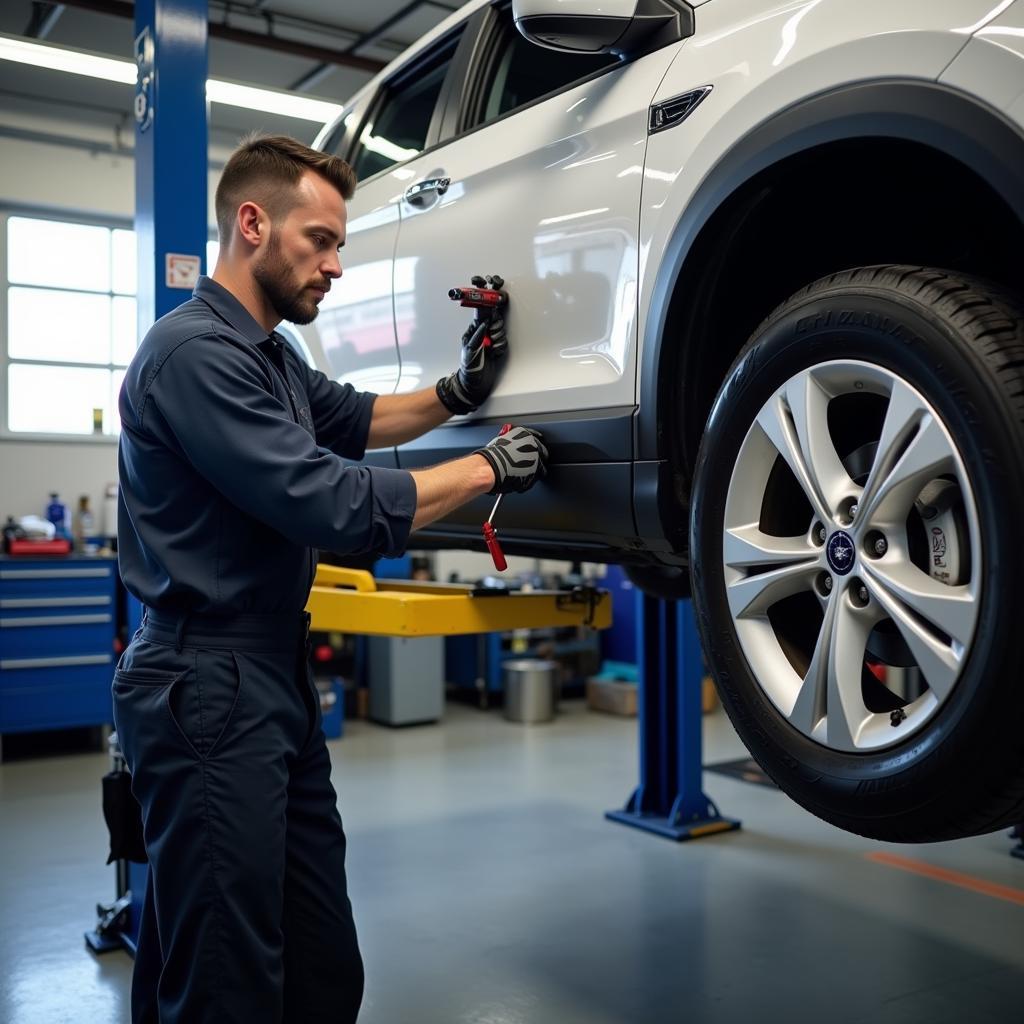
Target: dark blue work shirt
232, 467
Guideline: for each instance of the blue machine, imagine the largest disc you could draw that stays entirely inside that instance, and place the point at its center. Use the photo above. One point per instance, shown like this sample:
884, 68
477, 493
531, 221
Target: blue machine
670, 800
170, 225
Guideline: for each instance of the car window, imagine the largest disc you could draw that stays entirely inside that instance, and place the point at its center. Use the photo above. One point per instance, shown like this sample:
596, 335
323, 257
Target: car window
398, 126
522, 71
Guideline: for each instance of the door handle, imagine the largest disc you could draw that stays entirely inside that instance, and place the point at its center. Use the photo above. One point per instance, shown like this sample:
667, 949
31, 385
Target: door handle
422, 191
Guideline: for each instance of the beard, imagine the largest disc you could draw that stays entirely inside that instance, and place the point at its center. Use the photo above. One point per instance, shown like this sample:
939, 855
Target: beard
290, 300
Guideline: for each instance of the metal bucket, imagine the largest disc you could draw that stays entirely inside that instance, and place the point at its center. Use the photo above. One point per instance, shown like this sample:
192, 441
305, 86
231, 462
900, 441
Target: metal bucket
530, 690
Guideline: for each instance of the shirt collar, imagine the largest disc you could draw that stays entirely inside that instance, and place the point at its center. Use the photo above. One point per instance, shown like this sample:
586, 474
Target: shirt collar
226, 306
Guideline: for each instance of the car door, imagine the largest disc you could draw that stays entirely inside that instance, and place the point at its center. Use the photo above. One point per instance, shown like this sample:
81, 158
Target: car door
540, 182
353, 338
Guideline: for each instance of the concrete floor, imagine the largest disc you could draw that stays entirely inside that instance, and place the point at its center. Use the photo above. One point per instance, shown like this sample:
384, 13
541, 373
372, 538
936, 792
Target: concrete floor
488, 889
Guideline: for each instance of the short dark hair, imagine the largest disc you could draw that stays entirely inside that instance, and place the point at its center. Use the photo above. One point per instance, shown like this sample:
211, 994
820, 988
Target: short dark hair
266, 169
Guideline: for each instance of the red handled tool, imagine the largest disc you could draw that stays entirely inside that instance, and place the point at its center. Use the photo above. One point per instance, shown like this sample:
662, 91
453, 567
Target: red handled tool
485, 296
490, 534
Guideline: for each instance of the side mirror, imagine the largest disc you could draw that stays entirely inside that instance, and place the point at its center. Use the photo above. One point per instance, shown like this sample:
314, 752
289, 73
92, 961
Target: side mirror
627, 28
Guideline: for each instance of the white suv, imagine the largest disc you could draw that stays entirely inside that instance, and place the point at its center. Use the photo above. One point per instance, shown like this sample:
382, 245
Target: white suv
764, 260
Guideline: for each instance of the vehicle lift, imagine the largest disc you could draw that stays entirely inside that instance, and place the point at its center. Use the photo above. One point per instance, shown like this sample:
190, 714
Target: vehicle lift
669, 800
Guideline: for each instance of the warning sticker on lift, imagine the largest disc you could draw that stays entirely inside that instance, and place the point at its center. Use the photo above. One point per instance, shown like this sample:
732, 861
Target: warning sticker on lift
182, 271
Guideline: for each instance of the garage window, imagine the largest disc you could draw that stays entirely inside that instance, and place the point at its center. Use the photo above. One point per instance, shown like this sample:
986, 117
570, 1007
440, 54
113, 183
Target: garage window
69, 324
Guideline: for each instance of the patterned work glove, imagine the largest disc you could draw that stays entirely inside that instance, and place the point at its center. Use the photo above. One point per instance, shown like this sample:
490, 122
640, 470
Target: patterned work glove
484, 346
518, 459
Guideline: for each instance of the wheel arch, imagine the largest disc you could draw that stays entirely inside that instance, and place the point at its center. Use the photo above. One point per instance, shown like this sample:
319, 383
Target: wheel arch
803, 171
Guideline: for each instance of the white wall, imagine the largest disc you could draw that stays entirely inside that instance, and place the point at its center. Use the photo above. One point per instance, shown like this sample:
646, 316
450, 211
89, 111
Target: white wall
31, 470
59, 178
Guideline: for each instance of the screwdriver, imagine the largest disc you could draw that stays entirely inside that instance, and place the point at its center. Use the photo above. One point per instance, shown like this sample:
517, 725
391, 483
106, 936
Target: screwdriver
490, 536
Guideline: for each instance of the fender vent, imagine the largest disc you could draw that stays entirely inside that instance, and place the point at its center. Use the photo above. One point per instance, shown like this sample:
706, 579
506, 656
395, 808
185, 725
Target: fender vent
676, 110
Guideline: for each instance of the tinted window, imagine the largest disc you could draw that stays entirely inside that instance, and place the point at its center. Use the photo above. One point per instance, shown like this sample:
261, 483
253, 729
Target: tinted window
523, 71
397, 128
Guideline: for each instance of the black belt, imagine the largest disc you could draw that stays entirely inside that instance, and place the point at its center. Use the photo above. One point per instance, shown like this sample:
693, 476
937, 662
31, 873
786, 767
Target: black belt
235, 632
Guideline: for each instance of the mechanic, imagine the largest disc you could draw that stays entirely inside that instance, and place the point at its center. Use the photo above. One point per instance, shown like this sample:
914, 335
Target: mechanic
232, 473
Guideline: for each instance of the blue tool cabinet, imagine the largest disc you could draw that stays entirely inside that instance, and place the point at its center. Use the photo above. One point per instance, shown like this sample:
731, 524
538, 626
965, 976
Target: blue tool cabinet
57, 626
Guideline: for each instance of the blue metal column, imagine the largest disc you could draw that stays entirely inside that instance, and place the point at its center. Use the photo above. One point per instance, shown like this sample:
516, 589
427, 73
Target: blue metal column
670, 800
170, 228
170, 152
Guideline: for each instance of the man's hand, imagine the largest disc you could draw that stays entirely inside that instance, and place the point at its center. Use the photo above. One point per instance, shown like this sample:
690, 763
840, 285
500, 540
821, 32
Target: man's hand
471, 384
518, 459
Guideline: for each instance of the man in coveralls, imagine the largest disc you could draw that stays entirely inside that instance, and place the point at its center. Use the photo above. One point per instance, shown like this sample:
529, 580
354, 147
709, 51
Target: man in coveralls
232, 475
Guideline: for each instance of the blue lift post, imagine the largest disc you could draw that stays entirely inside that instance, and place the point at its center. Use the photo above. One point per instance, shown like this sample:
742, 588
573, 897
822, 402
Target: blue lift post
670, 799
171, 233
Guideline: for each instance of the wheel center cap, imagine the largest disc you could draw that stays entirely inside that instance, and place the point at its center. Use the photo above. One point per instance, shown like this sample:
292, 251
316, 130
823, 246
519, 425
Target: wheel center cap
840, 552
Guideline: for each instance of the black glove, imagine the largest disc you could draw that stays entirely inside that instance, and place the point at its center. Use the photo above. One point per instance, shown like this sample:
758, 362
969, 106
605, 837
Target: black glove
518, 459
471, 384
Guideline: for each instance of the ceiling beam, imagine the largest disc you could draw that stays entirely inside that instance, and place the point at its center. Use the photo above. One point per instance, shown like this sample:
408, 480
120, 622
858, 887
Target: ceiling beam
311, 78
123, 9
44, 17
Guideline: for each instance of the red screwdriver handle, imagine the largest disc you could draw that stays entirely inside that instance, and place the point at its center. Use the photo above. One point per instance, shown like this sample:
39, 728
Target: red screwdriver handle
497, 555
490, 537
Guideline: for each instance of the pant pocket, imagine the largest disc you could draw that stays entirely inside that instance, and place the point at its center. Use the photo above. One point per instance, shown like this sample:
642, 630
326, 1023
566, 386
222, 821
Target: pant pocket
141, 711
205, 710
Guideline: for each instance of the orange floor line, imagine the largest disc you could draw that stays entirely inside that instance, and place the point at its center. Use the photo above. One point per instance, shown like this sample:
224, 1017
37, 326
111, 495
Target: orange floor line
1000, 892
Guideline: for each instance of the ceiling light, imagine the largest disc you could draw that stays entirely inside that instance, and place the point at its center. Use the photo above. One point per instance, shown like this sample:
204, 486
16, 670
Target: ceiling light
77, 62
271, 101
58, 59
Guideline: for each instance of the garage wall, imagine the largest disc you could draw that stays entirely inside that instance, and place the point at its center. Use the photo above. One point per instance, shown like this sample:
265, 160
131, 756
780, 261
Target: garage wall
60, 178
32, 469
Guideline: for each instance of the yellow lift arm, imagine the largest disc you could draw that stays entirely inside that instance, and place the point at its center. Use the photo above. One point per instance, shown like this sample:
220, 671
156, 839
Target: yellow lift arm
352, 601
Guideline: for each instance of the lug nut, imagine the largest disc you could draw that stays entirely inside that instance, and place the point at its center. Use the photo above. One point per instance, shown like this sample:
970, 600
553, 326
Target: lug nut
881, 546
827, 582
853, 510
862, 594
821, 533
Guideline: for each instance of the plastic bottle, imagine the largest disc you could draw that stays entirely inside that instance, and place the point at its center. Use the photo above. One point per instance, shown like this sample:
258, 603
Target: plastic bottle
85, 524
57, 514
110, 510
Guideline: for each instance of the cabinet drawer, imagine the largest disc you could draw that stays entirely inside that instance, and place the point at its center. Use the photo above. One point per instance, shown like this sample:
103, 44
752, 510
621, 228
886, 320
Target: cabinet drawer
56, 693
37, 636
51, 581
10, 607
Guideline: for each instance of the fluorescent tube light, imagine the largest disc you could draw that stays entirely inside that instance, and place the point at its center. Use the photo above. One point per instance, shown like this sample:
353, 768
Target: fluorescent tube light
77, 62
271, 101
74, 61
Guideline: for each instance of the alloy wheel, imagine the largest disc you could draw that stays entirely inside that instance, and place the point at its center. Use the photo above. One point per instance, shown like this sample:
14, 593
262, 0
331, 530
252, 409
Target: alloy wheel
852, 556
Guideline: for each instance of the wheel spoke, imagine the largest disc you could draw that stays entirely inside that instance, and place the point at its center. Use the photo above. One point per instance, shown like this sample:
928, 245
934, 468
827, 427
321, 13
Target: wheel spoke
752, 596
912, 450
952, 609
777, 422
748, 547
921, 606
785, 566
809, 707
808, 404
844, 704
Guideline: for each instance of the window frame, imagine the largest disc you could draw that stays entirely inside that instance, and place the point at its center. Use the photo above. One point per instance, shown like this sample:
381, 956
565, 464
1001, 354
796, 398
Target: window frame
461, 93
488, 52
7, 211
422, 61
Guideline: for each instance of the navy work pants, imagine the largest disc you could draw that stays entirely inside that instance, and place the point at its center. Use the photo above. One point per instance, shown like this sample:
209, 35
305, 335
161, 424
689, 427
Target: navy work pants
246, 915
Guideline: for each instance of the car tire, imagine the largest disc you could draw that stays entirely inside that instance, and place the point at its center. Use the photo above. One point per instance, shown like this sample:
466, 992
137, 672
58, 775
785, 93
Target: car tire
861, 385
664, 582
